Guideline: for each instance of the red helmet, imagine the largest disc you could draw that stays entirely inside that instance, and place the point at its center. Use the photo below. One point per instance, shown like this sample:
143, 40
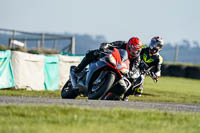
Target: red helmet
134, 47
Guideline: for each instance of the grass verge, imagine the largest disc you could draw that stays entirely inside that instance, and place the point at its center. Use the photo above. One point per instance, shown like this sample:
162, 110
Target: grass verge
171, 89
62, 119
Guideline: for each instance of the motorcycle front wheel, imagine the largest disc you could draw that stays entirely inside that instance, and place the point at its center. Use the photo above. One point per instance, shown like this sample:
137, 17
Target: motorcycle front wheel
101, 85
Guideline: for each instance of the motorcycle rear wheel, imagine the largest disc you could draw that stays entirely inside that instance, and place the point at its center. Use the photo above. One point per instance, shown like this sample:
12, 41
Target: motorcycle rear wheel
68, 92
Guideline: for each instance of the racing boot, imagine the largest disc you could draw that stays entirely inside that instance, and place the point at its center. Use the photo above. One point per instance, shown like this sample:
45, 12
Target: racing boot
138, 91
125, 98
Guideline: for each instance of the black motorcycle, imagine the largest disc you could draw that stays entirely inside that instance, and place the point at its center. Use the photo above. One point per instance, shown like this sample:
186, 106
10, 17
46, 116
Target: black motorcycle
96, 81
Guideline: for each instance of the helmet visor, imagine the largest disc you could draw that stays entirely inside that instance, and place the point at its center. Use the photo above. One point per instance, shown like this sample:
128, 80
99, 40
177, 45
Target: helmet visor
134, 51
155, 44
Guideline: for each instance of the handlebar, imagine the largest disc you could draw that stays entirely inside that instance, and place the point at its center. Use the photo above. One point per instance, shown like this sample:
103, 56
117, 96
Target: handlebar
147, 71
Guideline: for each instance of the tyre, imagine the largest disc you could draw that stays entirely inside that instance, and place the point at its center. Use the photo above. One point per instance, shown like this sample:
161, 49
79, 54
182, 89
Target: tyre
101, 85
68, 92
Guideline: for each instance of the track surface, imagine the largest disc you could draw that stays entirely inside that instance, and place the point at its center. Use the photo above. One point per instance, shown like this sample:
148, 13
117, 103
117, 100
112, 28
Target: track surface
5, 100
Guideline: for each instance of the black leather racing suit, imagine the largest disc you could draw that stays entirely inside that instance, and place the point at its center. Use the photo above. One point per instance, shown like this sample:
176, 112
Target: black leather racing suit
93, 55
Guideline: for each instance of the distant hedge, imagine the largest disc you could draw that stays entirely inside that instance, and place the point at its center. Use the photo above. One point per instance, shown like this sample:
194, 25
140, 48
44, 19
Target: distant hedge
32, 51
181, 71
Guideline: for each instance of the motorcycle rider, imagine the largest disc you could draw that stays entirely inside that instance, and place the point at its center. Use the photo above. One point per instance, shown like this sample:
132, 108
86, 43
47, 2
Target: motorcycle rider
133, 48
151, 57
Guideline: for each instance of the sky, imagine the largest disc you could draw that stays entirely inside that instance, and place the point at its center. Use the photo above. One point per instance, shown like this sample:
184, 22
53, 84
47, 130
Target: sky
173, 20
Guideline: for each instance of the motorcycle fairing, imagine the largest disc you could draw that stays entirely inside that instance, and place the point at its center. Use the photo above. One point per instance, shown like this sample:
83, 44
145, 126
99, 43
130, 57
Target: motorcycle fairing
122, 61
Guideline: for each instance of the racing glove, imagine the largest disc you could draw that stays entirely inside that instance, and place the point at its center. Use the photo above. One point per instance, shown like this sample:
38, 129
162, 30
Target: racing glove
154, 76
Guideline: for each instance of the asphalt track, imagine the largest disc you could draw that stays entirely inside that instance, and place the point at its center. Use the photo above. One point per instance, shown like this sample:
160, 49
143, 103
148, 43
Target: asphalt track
6, 100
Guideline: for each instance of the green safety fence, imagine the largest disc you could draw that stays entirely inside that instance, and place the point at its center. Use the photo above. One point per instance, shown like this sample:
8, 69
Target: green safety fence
81, 56
6, 74
51, 70
70, 54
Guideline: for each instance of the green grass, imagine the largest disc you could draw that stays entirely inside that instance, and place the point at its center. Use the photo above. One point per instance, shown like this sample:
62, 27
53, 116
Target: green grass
63, 119
23, 92
171, 89
168, 89
181, 64
70, 119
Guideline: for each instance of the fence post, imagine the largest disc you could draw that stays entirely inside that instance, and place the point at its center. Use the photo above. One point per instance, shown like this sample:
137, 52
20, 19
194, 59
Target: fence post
54, 44
25, 44
73, 45
38, 44
176, 54
43, 40
13, 37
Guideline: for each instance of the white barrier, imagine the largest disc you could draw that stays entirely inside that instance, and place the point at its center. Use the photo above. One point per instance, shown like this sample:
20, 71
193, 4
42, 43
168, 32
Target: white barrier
64, 67
28, 70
